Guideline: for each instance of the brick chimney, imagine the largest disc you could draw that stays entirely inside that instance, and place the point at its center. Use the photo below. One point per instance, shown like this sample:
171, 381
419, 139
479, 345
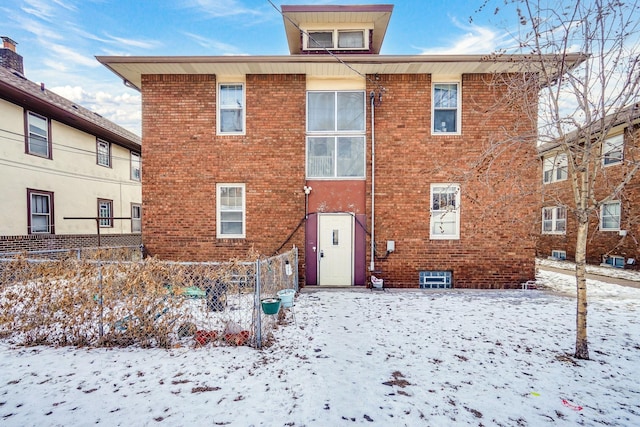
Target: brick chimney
9, 58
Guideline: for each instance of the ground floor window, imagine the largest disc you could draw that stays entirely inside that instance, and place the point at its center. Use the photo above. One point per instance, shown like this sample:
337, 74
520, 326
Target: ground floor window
445, 211
40, 219
610, 216
136, 218
435, 279
554, 220
105, 210
230, 211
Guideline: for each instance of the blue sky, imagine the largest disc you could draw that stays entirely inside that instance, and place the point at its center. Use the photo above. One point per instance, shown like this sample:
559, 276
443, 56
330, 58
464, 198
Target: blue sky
59, 39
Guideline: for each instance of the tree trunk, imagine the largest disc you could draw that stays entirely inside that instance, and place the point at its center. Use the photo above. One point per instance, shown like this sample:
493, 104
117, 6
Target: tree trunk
582, 348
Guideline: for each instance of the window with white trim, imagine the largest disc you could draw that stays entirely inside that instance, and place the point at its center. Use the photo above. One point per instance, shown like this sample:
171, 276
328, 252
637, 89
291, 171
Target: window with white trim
105, 210
558, 254
103, 150
230, 211
342, 39
136, 166
612, 150
613, 260
446, 108
136, 218
40, 212
231, 100
554, 220
445, 211
38, 138
554, 168
610, 216
336, 134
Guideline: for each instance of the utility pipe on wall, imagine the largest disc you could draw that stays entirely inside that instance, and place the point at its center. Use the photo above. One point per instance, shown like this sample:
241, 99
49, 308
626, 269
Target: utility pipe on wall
373, 180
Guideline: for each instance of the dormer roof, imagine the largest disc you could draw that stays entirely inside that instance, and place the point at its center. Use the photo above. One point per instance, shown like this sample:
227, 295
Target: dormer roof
374, 16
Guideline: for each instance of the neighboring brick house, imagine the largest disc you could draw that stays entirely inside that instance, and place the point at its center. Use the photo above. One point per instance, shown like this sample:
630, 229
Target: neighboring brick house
615, 231
59, 160
331, 151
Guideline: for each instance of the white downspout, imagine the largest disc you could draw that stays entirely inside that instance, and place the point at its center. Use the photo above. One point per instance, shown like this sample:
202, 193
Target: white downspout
373, 181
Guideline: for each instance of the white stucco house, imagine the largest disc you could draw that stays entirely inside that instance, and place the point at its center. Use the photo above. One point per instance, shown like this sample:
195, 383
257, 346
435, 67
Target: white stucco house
58, 161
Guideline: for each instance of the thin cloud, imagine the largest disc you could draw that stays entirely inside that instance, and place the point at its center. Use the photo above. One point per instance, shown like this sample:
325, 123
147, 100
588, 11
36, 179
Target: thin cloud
215, 45
220, 8
476, 39
71, 55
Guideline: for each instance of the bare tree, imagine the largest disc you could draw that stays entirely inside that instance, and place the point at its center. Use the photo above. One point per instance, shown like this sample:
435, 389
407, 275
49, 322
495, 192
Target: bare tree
580, 105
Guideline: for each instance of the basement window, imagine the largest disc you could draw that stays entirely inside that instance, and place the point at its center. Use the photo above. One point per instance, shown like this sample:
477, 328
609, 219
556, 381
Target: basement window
613, 261
435, 279
559, 255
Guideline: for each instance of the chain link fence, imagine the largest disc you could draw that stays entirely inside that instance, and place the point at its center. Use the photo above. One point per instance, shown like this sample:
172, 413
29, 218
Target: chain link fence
111, 297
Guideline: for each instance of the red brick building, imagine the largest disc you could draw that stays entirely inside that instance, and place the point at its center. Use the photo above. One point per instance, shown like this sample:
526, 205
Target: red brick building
614, 228
368, 163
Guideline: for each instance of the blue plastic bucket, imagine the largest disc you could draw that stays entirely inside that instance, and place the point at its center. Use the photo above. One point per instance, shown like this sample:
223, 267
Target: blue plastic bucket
286, 296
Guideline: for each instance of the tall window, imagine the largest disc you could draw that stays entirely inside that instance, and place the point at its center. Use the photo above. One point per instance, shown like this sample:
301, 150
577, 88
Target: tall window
610, 216
38, 142
40, 212
612, 150
136, 218
103, 153
554, 220
136, 167
446, 112
445, 211
336, 134
105, 210
554, 168
230, 211
231, 108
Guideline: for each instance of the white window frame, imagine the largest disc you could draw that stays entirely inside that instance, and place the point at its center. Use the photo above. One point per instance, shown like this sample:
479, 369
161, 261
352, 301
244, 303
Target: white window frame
555, 220
610, 260
220, 210
558, 254
605, 213
220, 108
439, 216
136, 166
40, 137
438, 128
32, 194
136, 218
105, 206
335, 137
613, 144
555, 168
103, 153
335, 38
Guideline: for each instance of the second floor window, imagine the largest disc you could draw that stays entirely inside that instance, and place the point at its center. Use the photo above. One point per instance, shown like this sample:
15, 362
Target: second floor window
446, 111
612, 150
104, 153
554, 168
336, 134
231, 108
38, 142
136, 167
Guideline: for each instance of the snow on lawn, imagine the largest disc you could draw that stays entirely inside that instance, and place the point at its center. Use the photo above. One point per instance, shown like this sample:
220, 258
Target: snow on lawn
396, 358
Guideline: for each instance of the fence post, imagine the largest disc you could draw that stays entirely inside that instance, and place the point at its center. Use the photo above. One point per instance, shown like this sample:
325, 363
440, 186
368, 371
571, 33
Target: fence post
256, 308
100, 324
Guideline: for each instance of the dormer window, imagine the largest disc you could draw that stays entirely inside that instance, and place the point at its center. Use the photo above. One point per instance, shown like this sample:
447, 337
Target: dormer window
336, 39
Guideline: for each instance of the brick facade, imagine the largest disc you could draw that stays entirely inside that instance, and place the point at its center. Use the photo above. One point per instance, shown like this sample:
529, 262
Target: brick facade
600, 243
184, 159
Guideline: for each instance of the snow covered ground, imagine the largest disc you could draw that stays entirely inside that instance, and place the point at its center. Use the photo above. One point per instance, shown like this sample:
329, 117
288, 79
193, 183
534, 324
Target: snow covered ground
396, 358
